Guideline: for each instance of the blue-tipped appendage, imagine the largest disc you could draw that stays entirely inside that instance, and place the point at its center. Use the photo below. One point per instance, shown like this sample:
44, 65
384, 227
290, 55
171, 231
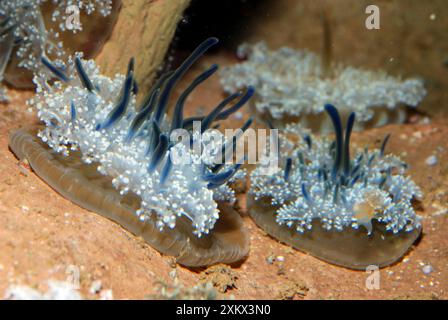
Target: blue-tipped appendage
149, 119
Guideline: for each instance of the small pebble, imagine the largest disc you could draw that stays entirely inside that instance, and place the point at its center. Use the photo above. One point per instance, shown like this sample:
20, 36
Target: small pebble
417, 134
280, 258
427, 269
238, 115
270, 259
431, 160
95, 287
106, 295
426, 120
173, 274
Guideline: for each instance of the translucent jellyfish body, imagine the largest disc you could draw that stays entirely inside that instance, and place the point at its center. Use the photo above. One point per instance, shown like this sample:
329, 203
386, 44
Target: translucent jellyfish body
293, 86
352, 211
104, 152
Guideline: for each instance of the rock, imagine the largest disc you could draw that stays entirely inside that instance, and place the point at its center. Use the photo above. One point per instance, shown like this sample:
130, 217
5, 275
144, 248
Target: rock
220, 276
57, 290
431, 160
427, 269
144, 30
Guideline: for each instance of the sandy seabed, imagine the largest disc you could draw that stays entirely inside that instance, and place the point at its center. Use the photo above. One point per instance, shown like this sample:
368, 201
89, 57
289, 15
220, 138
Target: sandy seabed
43, 236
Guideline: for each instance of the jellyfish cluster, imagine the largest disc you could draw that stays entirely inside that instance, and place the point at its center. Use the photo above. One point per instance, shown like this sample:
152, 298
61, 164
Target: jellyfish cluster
136, 159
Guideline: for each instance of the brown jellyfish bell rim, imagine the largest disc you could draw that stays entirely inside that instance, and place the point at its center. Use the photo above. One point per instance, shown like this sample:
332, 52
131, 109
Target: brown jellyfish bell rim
82, 184
350, 248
